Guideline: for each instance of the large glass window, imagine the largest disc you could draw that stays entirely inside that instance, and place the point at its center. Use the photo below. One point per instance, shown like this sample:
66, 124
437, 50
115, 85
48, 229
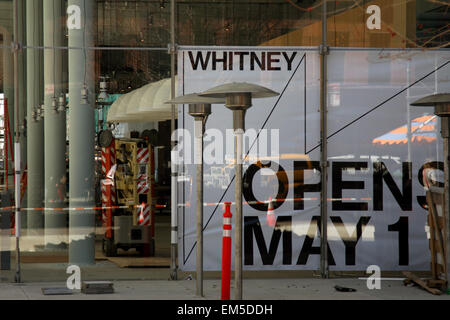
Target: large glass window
87, 99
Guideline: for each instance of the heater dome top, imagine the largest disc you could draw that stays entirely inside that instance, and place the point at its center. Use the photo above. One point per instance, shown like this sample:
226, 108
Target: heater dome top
432, 100
224, 90
194, 98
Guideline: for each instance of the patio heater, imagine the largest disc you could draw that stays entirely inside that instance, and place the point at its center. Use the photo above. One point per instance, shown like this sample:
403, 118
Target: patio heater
441, 104
199, 109
238, 98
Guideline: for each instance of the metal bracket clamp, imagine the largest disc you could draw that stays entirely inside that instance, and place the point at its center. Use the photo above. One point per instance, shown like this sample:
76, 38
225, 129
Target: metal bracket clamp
172, 49
23, 126
16, 46
326, 109
325, 164
324, 50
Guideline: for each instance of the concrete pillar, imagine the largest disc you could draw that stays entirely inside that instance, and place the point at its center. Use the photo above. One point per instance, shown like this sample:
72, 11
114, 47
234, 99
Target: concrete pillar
54, 129
35, 130
81, 133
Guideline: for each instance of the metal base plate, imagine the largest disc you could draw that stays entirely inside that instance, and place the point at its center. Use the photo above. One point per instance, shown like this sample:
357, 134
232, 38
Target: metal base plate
56, 291
97, 287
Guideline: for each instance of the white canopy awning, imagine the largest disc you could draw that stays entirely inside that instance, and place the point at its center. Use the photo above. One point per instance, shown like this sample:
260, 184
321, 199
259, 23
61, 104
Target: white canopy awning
117, 111
113, 109
147, 90
144, 104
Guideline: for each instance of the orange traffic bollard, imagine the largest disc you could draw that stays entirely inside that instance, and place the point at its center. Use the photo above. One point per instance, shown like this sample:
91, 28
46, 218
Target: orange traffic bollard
226, 252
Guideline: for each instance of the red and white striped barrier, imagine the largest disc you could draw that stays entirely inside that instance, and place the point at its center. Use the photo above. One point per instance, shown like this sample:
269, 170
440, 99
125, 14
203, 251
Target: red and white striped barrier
142, 186
143, 155
80, 209
213, 204
108, 190
108, 154
144, 217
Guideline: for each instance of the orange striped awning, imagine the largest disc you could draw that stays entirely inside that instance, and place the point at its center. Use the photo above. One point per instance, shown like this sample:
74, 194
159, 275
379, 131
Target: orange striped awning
423, 130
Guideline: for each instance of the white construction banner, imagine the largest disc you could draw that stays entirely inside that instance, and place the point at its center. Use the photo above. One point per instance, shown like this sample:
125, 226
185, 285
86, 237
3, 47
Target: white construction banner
378, 148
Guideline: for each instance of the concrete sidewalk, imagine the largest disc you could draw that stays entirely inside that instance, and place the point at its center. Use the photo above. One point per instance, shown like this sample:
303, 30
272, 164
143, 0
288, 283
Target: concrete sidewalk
254, 289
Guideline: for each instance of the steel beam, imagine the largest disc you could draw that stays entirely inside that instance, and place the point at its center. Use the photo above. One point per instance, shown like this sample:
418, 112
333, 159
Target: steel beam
174, 169
323, 147
17, 50
22, 94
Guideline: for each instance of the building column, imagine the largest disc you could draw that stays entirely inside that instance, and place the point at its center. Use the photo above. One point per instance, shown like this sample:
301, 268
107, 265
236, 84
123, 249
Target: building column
54, 129
35, 129
81, 133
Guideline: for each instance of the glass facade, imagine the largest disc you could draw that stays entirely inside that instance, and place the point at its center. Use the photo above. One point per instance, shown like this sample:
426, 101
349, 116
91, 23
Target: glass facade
66, 65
